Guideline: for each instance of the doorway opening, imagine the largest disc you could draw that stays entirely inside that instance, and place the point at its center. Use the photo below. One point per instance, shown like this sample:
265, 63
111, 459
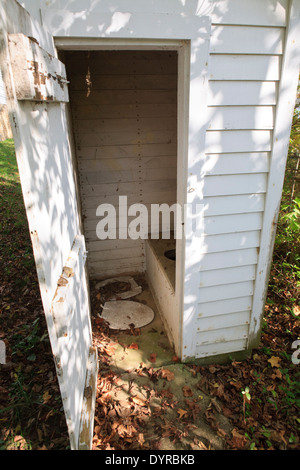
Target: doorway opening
124, 111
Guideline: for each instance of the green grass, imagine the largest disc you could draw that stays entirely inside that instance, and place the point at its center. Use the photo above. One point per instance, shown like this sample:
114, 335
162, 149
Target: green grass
8, 164
14, 239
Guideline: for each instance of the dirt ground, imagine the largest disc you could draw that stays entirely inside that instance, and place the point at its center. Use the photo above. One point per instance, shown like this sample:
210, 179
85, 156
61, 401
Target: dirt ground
148, 400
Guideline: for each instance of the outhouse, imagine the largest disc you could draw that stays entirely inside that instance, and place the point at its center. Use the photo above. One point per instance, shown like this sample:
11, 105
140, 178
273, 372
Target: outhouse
147, 104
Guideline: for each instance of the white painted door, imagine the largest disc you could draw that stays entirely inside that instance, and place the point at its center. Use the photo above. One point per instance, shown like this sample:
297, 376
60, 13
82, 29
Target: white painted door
37, 92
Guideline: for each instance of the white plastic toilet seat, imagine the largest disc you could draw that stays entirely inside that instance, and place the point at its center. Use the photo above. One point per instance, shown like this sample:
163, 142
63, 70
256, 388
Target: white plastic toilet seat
122, 314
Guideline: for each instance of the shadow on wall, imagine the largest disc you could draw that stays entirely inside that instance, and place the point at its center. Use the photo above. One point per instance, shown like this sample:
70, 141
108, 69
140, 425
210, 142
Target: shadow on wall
75, 17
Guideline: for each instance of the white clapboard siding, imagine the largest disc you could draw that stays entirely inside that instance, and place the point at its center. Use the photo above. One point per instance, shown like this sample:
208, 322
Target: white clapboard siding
242, 93
228, 259
222, 335
229, 275
230, 241
228, 321
238, 141
232, 223
126, 140
209, 350
256, 12
234, 184
230, 164
240, 13
226, 291
143, 6
236, 204
237, 39
244, 67
221, 307
241, 117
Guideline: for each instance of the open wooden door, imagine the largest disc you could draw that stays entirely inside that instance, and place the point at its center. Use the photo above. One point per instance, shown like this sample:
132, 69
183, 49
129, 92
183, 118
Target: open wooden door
37, 96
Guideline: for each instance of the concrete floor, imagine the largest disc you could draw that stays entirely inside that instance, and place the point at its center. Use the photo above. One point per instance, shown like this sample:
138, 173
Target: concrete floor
152, 342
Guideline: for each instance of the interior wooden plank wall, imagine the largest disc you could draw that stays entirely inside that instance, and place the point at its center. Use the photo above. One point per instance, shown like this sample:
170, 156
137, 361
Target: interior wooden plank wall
125, 130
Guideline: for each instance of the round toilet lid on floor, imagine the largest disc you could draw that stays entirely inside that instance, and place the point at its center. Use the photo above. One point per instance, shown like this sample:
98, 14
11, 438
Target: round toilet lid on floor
121, 314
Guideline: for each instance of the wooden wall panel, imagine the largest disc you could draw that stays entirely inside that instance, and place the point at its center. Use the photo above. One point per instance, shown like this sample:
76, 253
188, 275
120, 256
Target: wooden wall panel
245, 69
256, 12
231, 39
125, 127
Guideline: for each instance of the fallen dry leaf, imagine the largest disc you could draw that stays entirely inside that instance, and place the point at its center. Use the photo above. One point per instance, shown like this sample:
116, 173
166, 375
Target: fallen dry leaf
167, 374
21, 442
220, 391
97, 430
238, 440
110, 349
277, 374
221, 432
227, 412
181, 412
187, 391
296, 310
133, 346
274, 361
153, 357
216, 405
138, 401
167, 393
237, 385
46, 397
141, 439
